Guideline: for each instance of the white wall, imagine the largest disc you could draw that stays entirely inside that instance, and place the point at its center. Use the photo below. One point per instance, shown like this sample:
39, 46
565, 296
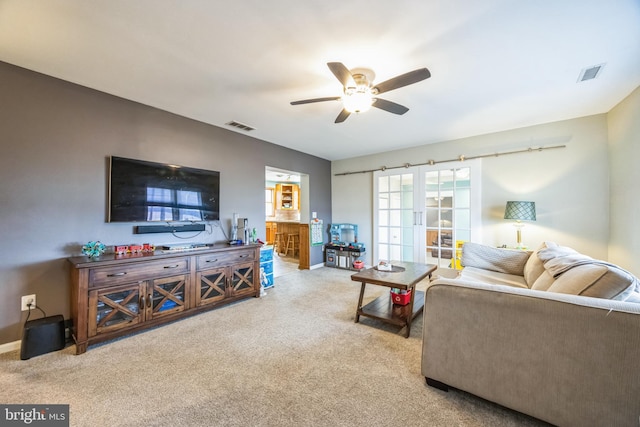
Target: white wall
569, 185
624, 148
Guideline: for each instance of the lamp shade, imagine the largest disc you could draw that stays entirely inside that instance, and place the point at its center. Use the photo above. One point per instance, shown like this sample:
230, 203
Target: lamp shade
521, 211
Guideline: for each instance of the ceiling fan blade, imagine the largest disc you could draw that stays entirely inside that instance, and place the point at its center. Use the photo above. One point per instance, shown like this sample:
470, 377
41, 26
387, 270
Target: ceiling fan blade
403, 80
309, 101
342, 116
389, 106
342, 73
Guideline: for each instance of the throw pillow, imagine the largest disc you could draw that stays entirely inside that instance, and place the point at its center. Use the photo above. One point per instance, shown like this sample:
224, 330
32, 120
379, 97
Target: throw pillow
534, 267
579, 274
543, 282
634, 297
510, 261
595, 280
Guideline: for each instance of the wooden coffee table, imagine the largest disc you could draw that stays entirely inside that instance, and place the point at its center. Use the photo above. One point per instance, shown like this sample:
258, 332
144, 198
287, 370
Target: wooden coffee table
405, 276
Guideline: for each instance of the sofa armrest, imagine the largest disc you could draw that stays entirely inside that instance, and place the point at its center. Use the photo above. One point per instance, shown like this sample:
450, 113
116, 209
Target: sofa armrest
565, 359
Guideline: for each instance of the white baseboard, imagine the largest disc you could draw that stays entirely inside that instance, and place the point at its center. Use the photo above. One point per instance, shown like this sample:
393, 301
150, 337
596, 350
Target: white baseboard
313, 267
10, 346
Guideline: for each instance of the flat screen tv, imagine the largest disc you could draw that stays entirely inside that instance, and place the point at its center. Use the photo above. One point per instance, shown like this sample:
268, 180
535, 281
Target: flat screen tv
141, 191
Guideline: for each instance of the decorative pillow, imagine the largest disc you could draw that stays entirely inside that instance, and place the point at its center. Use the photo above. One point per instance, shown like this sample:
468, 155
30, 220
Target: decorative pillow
508, 261
595, 280
634, 297
534, 267
579, 274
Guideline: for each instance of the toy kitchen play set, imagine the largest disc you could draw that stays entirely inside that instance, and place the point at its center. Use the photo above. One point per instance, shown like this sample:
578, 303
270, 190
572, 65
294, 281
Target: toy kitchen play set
344, 251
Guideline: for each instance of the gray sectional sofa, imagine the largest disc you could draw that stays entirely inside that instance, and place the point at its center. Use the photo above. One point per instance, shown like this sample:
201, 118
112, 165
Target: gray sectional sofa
550, 333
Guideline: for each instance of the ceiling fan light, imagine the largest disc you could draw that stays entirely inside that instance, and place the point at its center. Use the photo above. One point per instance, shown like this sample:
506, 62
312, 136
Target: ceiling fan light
357, 101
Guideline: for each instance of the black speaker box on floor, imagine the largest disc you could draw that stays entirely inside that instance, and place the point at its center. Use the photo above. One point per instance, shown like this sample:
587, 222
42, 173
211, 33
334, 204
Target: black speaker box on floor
42, 336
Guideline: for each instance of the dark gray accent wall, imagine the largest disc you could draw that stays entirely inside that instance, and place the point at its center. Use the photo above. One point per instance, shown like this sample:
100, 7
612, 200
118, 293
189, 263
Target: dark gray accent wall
55, 138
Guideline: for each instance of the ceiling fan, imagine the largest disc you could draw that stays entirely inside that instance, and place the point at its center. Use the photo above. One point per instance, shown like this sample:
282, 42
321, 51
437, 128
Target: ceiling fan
360, 94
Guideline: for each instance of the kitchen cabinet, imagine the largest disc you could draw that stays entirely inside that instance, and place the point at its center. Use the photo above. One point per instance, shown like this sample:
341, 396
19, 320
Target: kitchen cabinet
287, 196
271, 230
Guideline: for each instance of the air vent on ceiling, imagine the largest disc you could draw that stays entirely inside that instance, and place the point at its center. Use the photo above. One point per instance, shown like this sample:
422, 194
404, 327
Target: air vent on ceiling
590, 73
240, 125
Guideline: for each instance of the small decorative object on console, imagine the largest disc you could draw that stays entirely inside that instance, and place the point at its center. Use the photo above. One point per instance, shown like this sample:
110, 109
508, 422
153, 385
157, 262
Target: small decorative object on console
93, 249
135, 248
385, 266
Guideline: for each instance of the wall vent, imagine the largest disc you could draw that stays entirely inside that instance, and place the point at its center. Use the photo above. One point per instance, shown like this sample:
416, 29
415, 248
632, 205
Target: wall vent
590, 73
239, 125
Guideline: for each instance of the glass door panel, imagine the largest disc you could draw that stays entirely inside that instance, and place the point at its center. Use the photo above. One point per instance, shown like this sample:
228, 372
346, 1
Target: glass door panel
395, 219
212, 285
242, 279
114, 308
167, 295
448, 202
423, 214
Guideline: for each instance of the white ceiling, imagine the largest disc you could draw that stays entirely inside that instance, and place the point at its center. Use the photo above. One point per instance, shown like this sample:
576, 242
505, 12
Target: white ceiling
279, 175
495, 64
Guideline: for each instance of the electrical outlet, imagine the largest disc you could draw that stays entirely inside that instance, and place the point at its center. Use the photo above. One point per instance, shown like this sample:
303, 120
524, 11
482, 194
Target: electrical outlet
26, 299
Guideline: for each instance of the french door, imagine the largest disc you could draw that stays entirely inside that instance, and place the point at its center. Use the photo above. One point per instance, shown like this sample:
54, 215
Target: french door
424, 213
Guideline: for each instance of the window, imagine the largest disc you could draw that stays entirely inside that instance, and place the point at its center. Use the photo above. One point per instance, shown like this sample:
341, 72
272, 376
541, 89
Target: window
269, 200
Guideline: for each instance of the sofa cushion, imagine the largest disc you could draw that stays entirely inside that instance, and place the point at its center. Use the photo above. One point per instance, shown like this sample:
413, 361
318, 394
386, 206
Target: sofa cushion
509, 261
492, 277
534, 267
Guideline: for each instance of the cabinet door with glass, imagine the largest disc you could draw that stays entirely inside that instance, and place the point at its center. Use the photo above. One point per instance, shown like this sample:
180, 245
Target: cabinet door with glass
216, 284
211, 285
166, 296
116, 307
243, 279
120, 307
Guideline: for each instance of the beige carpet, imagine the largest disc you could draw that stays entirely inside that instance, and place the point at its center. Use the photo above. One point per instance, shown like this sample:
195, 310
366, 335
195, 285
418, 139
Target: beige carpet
292, 358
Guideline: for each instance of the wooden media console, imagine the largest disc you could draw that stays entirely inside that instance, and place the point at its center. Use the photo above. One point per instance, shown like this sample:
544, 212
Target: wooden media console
115, 295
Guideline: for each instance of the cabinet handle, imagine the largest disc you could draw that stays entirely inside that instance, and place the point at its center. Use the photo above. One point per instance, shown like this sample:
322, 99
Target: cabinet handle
212, 260
149, 300
242, 256
172, 266
116, 274
142, 302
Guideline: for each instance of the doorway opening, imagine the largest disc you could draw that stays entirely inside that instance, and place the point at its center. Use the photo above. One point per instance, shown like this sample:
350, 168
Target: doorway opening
286, 207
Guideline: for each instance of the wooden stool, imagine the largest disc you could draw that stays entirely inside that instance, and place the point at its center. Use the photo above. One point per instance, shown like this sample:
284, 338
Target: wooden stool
278, 243
293, 244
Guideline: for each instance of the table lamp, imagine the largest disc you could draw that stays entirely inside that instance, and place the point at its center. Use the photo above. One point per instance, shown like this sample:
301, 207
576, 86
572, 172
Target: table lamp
520, 211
